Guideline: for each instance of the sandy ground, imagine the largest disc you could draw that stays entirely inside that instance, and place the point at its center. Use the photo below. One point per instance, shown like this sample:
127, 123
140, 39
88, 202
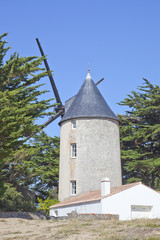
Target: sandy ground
14, 228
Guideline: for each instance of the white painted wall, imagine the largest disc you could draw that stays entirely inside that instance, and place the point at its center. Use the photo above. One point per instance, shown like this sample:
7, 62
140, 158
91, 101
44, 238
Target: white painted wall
90, 207
139, 195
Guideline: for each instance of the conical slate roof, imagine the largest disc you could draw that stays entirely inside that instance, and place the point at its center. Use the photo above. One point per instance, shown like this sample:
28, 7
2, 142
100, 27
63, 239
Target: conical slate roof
88, 103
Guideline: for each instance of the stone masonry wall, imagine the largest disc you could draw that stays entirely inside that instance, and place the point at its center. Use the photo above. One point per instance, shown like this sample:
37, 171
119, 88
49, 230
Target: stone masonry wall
93, 216
98, 155
73, 215
25, 215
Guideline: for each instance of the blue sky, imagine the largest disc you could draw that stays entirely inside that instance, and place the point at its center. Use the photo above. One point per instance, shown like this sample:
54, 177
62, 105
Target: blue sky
120, 39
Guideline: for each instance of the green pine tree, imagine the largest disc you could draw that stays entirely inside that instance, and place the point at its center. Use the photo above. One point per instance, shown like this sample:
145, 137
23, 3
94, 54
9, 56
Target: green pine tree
35, 165
20, 106
140, 136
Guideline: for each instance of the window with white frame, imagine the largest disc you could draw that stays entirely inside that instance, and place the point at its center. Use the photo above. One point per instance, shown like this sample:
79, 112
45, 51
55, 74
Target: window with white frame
73, 187
73, 150
74, 124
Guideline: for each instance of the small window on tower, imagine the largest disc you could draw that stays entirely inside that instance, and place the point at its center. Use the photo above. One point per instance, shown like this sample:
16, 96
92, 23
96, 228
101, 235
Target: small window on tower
73, 150
73, 187
74, 124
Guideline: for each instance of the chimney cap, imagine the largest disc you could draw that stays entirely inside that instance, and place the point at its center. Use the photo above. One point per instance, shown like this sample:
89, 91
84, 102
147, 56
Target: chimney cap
105, 179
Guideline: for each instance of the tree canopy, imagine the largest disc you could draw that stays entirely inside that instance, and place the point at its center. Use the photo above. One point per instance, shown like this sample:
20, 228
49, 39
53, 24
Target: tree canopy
34, 165
140, 136
22, 164
19, 103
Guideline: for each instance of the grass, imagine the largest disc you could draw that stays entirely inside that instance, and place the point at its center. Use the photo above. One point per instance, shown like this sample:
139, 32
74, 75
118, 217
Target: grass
2, 220
80, 230
68, 229
108, 230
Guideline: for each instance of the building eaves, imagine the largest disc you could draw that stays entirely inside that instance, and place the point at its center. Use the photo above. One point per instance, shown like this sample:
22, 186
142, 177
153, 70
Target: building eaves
93, 196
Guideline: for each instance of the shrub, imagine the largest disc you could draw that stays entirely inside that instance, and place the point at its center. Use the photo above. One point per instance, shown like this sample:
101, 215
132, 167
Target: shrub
45, 204
14, 201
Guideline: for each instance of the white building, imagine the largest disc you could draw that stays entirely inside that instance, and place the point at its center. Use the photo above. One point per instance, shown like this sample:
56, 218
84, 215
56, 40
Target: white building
90, 150
129, 201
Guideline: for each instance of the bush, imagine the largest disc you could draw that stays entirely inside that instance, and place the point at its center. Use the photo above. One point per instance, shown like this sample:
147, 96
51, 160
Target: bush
14, 201
45, 204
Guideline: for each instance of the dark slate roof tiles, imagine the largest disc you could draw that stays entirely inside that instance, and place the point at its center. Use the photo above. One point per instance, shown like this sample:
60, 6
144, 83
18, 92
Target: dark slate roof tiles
88, 103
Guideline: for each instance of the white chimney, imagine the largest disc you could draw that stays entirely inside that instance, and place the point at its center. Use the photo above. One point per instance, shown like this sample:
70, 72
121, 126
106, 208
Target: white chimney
105, 187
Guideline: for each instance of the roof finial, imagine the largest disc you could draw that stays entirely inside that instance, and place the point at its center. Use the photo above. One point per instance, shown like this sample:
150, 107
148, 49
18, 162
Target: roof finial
88, 74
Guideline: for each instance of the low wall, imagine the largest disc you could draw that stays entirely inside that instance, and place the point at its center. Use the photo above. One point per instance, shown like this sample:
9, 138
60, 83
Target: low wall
43, 216
25, 215
93, 216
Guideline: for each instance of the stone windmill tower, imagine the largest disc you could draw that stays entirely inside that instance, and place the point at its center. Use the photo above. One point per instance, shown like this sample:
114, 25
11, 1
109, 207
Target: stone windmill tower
89, 140
89, 145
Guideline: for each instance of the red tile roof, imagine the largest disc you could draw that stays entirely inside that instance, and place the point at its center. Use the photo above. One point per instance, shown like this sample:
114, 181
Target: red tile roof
93, 196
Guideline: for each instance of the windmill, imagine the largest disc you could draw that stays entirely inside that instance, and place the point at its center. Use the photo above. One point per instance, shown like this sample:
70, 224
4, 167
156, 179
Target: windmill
89, 142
